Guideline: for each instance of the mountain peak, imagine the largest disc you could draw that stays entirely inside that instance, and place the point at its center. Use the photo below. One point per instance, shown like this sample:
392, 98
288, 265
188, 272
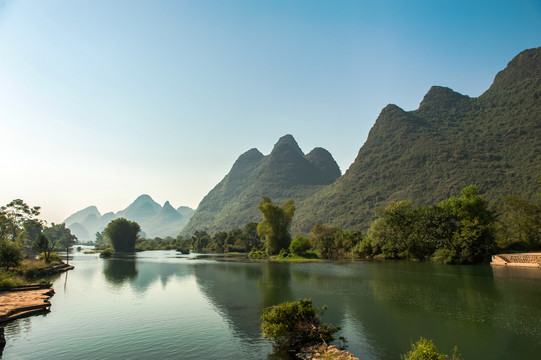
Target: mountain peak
525, 65
143, 197
168, 205
249, 157
287, 143
441, 95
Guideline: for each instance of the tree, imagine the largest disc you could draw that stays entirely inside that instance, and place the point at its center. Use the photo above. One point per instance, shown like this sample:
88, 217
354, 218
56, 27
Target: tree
102, 241
32, 229
43, 245
200, 240
60, 235
251, 238
11, 254
520, 224
473, 240
13, 216
123, 234
295, 324
322, 239
276, 224
299, 246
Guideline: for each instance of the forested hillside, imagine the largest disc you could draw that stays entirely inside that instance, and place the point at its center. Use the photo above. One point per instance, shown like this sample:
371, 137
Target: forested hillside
448, 143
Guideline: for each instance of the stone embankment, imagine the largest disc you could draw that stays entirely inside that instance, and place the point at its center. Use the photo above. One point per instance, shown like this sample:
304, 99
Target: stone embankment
524, 259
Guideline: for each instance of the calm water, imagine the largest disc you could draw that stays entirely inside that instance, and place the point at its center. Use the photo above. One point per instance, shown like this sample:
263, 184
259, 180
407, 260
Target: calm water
161, 306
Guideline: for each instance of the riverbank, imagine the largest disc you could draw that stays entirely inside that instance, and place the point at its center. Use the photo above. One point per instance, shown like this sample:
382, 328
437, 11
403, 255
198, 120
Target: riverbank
522, 259
29, 299
25, 301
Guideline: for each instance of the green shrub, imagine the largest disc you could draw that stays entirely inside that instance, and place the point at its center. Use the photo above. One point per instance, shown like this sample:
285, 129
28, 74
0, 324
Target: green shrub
363, 248
11, 254
296, 324
299, 246
425, 349
257, 254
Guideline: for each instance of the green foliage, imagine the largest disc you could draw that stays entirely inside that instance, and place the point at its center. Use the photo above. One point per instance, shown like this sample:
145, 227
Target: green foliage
364, 249
473, 240
50, 257
200, 241
276, 224
257, 254
13, 217
519, 226
459, 230
107, 253
60, 236
332, 243
123, 234
299, 246
425, 349
295, 324
43, 246
10, 254
102, 241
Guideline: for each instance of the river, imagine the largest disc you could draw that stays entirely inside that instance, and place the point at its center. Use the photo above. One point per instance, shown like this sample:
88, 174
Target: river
159, 305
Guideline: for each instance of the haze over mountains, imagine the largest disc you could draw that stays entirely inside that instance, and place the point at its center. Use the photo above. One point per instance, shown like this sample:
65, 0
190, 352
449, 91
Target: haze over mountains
155, 220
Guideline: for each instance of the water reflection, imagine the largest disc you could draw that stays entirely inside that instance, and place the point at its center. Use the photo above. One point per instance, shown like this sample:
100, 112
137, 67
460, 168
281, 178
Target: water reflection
119, 269
141, 270
381, 307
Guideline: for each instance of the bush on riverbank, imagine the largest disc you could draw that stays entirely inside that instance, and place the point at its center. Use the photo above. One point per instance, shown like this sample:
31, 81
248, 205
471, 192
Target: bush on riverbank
293, 325
425, 349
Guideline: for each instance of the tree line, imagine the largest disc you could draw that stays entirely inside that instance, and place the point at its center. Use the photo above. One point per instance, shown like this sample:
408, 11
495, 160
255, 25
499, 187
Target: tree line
23, 235
463, 229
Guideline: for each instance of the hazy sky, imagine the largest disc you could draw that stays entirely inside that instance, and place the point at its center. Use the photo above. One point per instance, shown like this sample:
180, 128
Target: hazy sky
102, 101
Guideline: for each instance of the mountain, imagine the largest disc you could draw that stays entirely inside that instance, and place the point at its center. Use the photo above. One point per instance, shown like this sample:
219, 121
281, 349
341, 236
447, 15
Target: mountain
81, 215
285, 173
141, 209
155, 220
448, 143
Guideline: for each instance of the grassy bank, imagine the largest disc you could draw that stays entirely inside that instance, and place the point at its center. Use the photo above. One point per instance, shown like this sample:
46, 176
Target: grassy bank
28, 272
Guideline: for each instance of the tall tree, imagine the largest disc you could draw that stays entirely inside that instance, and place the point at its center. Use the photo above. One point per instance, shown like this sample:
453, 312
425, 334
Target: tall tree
60, 235
123, 234
13, 216
276, 224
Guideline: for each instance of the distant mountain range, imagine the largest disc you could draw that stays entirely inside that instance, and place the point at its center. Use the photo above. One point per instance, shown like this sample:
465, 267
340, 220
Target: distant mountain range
426, 155
155, 220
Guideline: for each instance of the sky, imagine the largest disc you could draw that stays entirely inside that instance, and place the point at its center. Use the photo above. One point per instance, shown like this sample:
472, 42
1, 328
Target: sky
102, 101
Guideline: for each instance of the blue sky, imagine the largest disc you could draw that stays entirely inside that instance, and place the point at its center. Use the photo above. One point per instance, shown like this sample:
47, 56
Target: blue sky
101, 101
